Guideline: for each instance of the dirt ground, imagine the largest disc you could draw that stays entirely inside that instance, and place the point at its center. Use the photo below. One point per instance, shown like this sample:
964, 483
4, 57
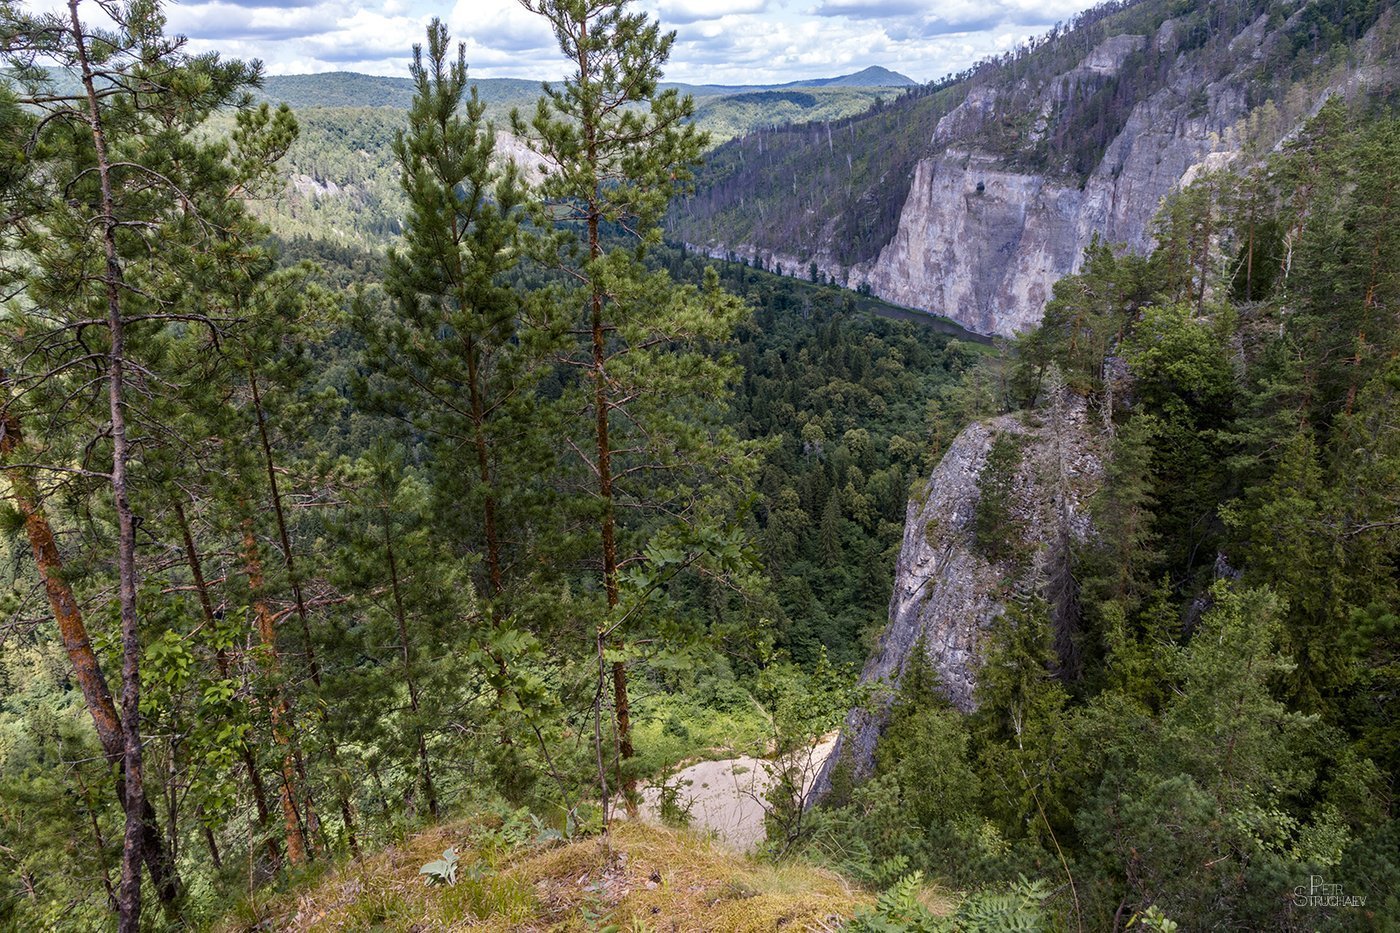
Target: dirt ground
725, 797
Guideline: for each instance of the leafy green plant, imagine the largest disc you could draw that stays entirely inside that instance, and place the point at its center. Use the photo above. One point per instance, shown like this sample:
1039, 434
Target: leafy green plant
899, 910
442, 871
1016, 909
1153, 919
520, 828
600, 920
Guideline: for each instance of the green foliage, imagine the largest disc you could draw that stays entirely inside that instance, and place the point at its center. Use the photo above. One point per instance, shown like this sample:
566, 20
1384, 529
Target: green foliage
899, 910
781, 185
1215, 755
327, 626
925, 750
803, 707
441, 871
1153, 919
1211, 808
996, 527
339, 182
731, 115
1017, 909
842, 398
673, 806
921, 808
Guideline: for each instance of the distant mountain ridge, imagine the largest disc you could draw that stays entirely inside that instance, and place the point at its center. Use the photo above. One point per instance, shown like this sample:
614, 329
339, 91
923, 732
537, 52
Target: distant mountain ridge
353, 89
343, 181
971, 197
874, 76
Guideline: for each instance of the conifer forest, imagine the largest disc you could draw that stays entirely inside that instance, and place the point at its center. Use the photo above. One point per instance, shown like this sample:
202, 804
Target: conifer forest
409, 504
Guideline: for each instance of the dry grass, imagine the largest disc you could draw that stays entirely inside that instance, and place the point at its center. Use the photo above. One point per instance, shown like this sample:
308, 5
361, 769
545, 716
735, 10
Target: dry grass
644, 878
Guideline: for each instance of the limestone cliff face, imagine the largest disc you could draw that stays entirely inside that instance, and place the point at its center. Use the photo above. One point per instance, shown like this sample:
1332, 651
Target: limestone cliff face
984, 244
945, 593
978, 244
982, 241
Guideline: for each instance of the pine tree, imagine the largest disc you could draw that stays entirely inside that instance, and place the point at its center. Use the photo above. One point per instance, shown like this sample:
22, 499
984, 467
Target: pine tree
1196, 815
1184, 378
996, 527
135, 208
385, 566
460, 357
616, 150
1286, 544
280, 314
1019, 721
830, 530
1123, 557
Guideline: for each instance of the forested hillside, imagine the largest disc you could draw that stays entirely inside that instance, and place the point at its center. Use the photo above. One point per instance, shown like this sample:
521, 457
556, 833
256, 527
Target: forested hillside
1190, 711
287, 573
348, 89
343, 180
387, 523
972, 195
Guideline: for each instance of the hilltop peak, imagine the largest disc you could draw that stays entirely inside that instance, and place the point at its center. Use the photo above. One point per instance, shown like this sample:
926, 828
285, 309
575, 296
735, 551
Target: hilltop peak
874, 76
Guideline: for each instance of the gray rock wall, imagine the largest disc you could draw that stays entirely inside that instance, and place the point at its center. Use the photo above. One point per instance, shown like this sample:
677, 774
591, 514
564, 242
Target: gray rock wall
945, 593
983, 243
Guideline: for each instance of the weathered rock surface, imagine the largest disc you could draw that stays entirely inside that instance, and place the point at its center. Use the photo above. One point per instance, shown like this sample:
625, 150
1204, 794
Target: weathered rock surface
945, 593
981, 245
982, 242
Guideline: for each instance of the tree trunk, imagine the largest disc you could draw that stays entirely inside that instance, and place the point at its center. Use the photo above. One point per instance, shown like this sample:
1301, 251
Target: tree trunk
133, 845
1063, 589
87, 671
494, 563
206, 604
1203, 269
309, 647
602, 405
483, 466
284, 539
1249, 258
383, 794
210, 842
602, 408
280, 708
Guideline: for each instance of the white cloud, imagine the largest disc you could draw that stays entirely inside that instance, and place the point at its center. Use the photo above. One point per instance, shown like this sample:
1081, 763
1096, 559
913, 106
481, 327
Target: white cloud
682, 12
718, 41
503, 39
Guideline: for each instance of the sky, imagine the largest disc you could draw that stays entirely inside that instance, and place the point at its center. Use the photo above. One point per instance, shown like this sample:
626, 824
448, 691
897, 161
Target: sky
718, 41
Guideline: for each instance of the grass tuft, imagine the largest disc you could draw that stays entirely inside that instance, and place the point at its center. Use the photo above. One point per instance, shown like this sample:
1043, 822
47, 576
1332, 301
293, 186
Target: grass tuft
642, 877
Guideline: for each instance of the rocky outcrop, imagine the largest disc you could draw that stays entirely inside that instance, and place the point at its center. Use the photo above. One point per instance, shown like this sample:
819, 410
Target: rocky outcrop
1108, 56
946, 593
510, 148
982, 241
984, 245
979, 244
